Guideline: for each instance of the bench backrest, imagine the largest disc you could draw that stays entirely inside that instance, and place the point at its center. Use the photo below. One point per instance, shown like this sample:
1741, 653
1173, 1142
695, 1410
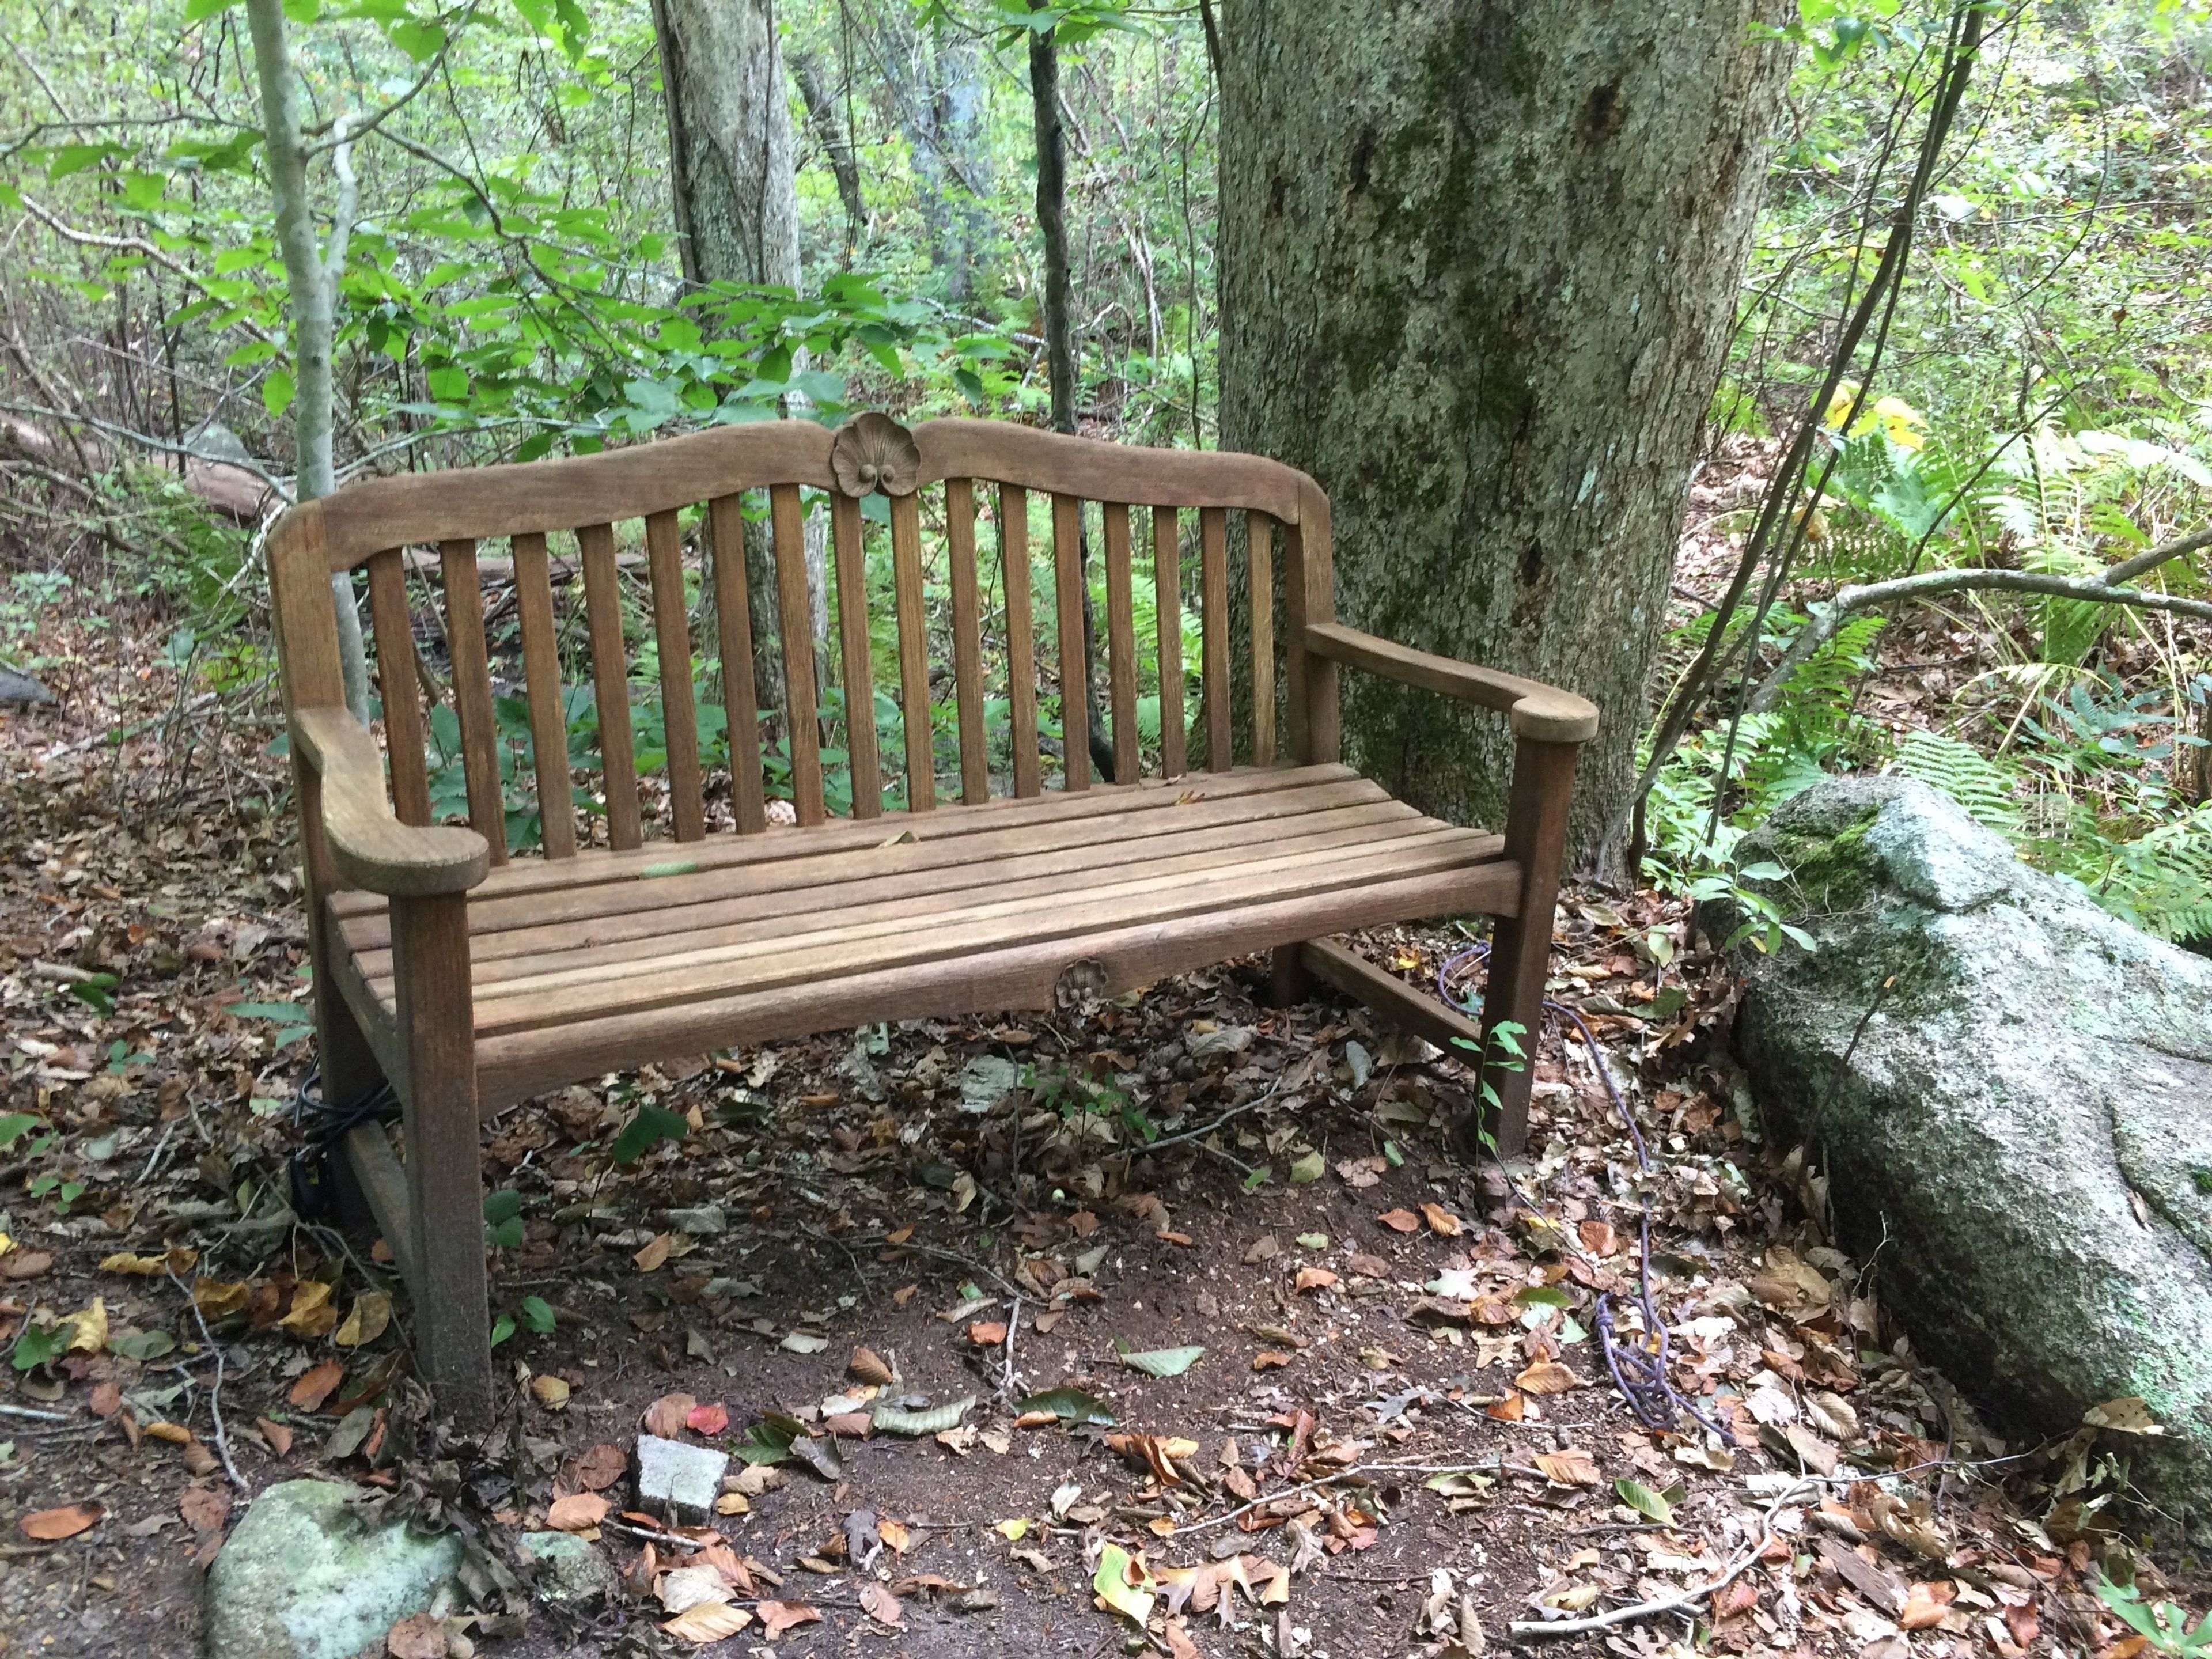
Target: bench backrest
941, 471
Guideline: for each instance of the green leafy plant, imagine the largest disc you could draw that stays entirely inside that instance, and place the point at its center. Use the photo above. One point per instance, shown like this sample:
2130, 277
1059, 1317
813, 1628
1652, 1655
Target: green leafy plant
2163, 1624
647, 1129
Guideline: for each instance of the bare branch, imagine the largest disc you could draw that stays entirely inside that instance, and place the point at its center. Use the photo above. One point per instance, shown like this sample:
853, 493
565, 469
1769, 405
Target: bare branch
70, 233
278, 485
2104, 588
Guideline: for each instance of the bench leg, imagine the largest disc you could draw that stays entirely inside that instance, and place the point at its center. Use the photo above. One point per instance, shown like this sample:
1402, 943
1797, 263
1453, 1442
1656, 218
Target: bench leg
1289, 983
1521, 945
444, 1179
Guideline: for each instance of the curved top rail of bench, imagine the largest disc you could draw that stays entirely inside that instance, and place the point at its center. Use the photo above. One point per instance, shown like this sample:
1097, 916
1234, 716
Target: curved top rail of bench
478, 503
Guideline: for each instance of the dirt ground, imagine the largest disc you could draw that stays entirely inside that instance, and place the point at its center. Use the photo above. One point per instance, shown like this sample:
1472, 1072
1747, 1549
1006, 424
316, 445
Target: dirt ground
1401, 1409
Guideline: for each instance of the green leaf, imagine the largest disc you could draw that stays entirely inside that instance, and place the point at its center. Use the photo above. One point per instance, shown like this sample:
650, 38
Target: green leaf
13, 1127
1644, 1501
501, 1329
651, 1126
1314, 1240
502, 1213
448, 385
276, 392
1311, 1167
1071, 1406
891, 1419
538, 1314
1111, 1581
198, 11
140, 1344
36, 1346
1541, 1295
1161, 1362
1257, 1179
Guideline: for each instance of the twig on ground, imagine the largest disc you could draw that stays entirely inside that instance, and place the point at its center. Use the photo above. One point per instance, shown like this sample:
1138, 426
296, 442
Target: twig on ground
215, 1388
34, 1412
1013, 1324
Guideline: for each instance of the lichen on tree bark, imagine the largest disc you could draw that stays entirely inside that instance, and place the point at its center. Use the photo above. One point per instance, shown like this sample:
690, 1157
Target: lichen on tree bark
1478, 270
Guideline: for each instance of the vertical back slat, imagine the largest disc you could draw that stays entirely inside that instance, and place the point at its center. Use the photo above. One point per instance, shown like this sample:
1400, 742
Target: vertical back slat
672, 630
1313, 589
1120, 642
609, 683
464, 639
794, 606
1260, 561
726, 535
914, 653
1167, 573
847, 530
548, 715
967, 638
398, 681
1214, 623
1074, 671
1021, 635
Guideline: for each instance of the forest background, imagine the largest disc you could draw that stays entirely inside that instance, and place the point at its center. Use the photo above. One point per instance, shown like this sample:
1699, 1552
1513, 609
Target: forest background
485, 194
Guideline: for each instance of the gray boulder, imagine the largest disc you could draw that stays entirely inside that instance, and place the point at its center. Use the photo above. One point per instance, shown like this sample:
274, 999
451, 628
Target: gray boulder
21, 688
305, 1576
571, 1569
2021, 1122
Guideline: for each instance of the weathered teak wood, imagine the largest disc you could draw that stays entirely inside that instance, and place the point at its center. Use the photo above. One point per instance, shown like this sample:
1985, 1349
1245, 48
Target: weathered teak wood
1213, 623
1120, 641
910, 598
967, 638
733, 633
794, 605
471, 983
1260, 565
1167, 573
548, 716
672, 631
1021, 635
399, 682
1074, 679
846, 528
611, 684
464, 639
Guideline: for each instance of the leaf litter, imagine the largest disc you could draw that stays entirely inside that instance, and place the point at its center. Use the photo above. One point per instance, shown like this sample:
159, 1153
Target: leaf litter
1341, 1452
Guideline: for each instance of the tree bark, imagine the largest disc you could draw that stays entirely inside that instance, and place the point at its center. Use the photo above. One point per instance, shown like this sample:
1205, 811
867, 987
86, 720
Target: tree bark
735, 201
837, 141
1479, 269
309, 281
1059, 342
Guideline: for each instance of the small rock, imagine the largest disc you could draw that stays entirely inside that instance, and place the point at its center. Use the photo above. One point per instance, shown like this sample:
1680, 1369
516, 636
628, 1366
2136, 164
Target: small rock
986, 1080
307, 1576
1228, 1042
574, 1569
685, 1478
703, 1222
23, 688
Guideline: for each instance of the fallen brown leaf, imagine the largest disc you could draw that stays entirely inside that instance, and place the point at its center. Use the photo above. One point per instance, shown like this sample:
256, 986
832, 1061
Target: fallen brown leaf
1569, 1467
866, 1366
880, 1605
665, 1417
709, 1419
987, 1333
419, 1636
1315, 1278
1547, 1377
777, 1617
578, 1512
1268, 1360
653, 1255
1442, 1222
204, 1508
1401, 1221
278, 1435
709, 1621
51, 1526
601, 1466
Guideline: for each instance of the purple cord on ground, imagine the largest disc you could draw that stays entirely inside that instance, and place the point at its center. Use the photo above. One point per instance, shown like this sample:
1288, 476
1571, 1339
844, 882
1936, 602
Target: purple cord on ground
1639, 1372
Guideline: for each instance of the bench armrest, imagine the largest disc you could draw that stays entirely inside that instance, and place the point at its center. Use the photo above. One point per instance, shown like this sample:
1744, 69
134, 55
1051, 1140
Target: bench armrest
372, 849
1539, 712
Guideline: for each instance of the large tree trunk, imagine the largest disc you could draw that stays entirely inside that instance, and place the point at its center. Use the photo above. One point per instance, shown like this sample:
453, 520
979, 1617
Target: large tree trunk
1479, 265
736, 199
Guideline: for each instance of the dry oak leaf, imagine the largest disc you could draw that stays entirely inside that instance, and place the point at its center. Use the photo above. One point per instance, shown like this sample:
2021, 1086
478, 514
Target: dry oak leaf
314, 1386
1569, 1467
1510, 1409
1442, 1222
25, 1264
204, 1508
311, 1314
896, 1533
1547, 1377
987, 1333
665, 1417
1401, 1221
880, 1605
866, 1366
709, 1621
550, 1391
51, 1526
1315, 1278
578, 1512
653, 1255
601, 1466
419, 1636
777, 1617
175, 1433
371, 1316
1268, 1360
1924, 1605
278, 1435
218, 1298
1600, 1238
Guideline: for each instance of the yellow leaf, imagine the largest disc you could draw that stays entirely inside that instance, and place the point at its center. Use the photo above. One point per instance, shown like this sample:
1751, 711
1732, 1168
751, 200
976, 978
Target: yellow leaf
90, 1332
217, 1299
1014, 1530
1112, 1583
371, 1314
310, 1313
1569, 1467
709, 1621
1547, 1377
551, 1392
734, 1503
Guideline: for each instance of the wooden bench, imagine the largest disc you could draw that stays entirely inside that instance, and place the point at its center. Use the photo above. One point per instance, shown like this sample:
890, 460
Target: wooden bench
471, 979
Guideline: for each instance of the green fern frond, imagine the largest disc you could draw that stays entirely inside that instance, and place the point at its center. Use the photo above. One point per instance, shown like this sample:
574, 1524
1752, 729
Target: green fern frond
1982, 786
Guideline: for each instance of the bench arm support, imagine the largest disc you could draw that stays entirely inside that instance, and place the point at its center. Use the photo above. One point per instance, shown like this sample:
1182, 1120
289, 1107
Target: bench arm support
371, 848
1538, 712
